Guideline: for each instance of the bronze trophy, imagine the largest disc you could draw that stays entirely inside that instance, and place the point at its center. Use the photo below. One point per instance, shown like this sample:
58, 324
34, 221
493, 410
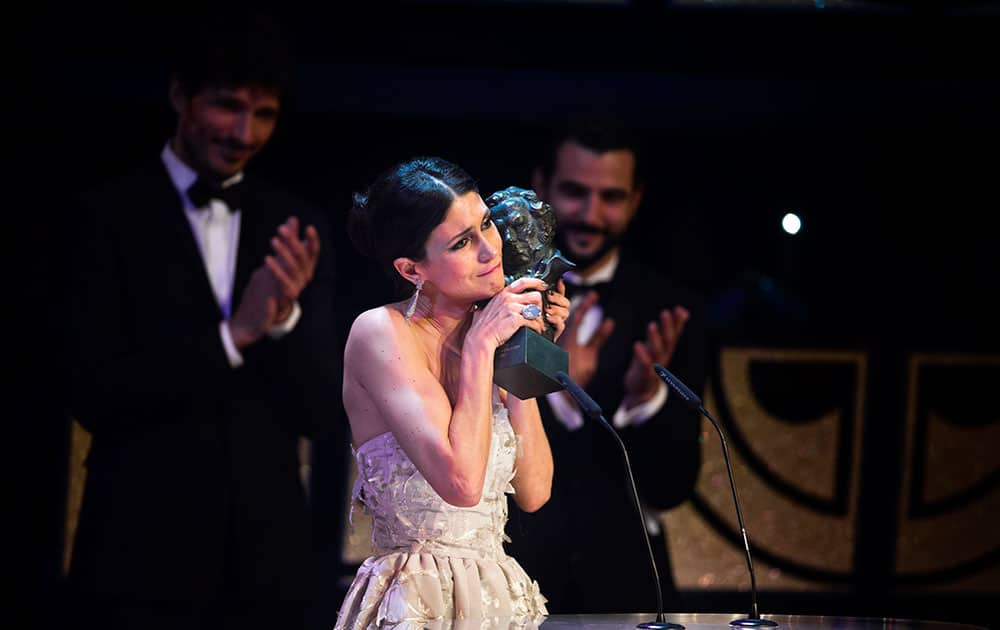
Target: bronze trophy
526, 364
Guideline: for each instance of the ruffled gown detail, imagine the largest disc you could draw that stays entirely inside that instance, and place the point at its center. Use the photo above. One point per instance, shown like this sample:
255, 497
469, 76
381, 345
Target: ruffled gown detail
436, 564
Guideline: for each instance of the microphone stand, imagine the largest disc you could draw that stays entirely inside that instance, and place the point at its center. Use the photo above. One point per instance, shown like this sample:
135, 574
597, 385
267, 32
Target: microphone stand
593, 411
694, 402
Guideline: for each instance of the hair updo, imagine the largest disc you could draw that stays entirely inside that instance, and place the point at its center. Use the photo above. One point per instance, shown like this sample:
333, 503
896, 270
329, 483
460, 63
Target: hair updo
396, 215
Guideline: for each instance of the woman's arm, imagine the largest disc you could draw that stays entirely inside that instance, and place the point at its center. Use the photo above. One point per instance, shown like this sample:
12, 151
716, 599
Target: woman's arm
448, 445
533, 477
388, 386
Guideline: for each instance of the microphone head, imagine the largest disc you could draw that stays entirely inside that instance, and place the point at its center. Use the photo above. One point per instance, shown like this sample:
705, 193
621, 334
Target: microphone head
689, 397
563, 378
582, 398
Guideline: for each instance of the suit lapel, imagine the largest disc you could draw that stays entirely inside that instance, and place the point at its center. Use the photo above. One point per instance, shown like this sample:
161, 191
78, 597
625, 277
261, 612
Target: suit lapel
257, 226
184, 255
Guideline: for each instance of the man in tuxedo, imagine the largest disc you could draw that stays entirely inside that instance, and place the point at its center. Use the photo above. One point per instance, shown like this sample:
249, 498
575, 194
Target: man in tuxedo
585, 547
202, 348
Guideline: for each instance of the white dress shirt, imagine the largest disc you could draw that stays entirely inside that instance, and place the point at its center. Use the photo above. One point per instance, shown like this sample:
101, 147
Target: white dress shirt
564, 409
216, 229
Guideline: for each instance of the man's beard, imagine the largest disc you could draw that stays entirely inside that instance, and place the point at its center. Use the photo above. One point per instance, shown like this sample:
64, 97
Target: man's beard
611, 241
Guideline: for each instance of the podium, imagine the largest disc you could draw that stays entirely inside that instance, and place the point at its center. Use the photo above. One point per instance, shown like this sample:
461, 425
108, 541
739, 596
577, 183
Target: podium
691, 621
701, 621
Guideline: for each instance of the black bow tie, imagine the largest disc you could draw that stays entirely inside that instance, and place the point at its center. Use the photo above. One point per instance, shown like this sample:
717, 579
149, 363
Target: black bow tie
573, 289
204, 190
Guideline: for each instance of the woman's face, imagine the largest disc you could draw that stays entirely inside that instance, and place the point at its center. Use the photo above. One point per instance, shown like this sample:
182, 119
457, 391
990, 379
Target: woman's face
463, 260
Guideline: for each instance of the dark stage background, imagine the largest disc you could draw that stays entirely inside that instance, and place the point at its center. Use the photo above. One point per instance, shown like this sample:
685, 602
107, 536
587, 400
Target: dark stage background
875, 122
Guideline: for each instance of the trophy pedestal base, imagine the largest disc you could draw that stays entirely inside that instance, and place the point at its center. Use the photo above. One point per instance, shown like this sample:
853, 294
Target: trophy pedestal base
527, 363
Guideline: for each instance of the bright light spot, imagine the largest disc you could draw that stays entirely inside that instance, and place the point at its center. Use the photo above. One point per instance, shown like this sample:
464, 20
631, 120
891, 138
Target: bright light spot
791, 223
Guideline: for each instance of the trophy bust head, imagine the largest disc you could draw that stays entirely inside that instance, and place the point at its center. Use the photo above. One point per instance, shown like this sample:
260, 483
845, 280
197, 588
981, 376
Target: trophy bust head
526, 364
527, 227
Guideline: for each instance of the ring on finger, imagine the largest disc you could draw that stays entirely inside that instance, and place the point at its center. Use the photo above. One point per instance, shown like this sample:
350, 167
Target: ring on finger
531, 311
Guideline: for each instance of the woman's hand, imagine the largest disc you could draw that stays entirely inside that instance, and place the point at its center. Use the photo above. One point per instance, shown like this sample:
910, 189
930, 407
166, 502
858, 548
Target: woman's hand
503, 314
558, 311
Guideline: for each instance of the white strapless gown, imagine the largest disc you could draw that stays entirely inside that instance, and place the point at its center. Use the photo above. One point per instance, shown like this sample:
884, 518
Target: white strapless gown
437, 565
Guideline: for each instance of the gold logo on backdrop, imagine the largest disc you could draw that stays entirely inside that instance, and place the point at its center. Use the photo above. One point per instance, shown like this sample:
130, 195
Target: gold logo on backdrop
797, 462
948, 535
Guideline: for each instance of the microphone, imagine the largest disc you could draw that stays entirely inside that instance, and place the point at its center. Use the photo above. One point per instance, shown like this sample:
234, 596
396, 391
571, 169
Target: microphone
587, 405
592, 410
694, 402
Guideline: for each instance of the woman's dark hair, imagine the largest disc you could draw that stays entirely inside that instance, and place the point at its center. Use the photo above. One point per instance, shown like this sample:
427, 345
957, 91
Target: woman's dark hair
400, 209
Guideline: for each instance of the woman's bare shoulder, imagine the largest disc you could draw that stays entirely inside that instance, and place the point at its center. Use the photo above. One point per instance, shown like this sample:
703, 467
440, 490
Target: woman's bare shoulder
376, 321
376, 327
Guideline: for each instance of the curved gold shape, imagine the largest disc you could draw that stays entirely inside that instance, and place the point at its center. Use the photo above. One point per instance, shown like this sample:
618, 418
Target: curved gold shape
804, 455
954, 457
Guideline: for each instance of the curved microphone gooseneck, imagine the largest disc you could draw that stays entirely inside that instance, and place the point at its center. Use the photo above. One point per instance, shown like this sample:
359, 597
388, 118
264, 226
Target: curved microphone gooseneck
592, 410
694, 402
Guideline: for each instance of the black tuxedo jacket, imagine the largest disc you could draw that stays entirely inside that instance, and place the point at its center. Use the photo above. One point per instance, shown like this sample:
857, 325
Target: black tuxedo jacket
585, 546
193, 486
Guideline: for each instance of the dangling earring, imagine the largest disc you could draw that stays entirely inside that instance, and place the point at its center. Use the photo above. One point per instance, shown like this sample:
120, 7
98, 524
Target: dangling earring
412, 306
